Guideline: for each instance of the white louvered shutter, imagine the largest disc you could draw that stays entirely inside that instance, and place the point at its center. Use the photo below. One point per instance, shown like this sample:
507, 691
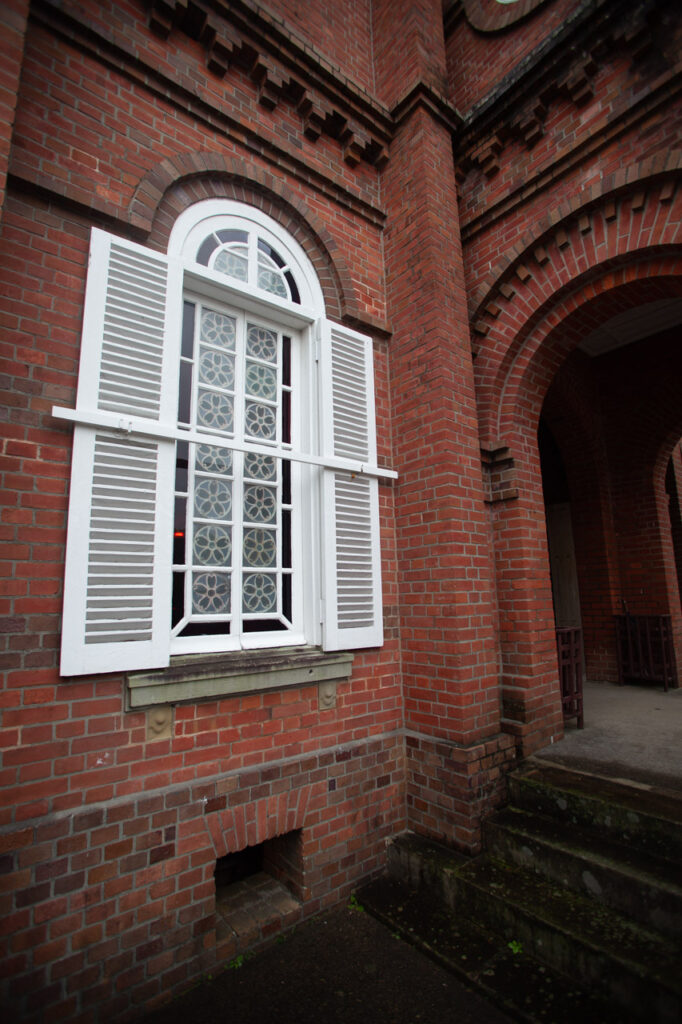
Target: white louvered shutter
350, 529
117, 583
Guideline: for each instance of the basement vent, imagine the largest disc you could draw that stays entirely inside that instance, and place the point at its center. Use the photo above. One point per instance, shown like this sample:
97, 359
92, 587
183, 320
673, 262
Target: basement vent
258, 891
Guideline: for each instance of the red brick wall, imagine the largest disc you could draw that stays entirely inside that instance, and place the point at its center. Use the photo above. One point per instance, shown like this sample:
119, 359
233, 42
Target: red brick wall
413, 32
340, 30
109, 840
113, 906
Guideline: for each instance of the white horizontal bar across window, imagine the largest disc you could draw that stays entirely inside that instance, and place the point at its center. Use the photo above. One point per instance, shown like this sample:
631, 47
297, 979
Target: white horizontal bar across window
150, 428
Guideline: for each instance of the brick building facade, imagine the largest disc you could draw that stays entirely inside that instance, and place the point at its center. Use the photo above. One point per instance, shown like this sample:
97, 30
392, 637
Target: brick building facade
468, 213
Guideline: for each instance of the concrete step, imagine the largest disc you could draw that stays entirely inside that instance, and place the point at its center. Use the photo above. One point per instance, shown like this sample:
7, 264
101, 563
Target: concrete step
636, 968
647, 888
526, 989
642, 818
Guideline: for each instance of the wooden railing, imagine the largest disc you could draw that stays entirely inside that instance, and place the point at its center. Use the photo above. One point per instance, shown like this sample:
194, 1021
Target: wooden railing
569, 646
645, 649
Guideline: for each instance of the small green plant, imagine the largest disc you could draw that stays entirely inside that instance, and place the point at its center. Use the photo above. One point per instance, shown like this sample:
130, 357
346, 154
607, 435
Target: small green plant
236, 963
515, 946
353, 903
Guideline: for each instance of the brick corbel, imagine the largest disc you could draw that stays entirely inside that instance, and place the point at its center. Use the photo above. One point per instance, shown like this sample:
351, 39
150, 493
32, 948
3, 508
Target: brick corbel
577, 85
271, 84
499, 477
226, 44
164, 15
223, 47
511, 116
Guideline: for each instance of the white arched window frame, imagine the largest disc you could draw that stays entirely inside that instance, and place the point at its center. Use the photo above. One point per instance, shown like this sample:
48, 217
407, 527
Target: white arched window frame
120, 561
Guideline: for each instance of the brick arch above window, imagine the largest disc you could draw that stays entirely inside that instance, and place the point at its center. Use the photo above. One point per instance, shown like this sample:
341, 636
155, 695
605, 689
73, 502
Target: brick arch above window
166, 191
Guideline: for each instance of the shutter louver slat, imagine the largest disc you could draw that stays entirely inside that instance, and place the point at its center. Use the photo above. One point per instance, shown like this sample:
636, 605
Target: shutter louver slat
134, 323
108, 541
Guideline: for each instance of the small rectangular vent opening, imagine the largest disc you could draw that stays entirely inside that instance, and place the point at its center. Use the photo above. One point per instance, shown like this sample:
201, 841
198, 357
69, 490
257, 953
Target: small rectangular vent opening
258, 892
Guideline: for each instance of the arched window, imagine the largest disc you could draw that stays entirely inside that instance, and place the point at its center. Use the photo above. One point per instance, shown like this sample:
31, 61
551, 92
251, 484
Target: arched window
224, 484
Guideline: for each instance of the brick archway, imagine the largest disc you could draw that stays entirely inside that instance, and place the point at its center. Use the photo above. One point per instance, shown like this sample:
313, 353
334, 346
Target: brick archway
620, 251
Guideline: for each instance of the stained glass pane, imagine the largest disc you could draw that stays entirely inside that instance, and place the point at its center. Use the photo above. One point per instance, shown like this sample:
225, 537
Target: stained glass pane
260, 504
232, 263
213, 499
272, 281
215, 410
261, 343
260, 467
260, 548
216, 368
213, 545
214, 460
261, 381
259, 593
211, 593
261, 421
218, 329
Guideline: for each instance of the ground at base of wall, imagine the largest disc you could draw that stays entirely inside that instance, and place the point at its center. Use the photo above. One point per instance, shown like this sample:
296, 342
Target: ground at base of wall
341, 967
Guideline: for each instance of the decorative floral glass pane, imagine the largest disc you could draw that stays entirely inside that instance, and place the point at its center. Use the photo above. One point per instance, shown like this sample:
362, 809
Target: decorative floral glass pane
212, 545
272, 281
233, 263
259, 504
211, 593
261, 343
261, 421
218, 329
260, 547
213, 499
214, 460
261, 381
270, 277
216, 368
215, 410
259, 593
260, 467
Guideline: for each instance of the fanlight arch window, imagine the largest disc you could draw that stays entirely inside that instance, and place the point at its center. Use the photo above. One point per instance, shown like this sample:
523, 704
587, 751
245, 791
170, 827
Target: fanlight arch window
246, 257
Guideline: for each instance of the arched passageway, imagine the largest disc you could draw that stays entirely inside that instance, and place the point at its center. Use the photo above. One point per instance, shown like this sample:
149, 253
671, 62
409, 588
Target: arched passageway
612, 415
587, 341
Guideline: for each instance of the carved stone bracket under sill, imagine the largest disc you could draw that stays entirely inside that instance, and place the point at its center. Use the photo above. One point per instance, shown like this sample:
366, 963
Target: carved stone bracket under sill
211, 677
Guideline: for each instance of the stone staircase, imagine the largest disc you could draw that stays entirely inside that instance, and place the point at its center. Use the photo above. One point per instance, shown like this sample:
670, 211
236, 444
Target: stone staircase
573, 911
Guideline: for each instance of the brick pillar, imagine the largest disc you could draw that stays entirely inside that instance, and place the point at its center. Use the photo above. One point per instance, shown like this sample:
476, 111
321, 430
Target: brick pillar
13, 15
455, 749
531, 699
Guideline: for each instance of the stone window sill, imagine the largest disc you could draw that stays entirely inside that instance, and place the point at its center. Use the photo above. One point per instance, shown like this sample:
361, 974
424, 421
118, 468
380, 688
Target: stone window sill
200, 677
